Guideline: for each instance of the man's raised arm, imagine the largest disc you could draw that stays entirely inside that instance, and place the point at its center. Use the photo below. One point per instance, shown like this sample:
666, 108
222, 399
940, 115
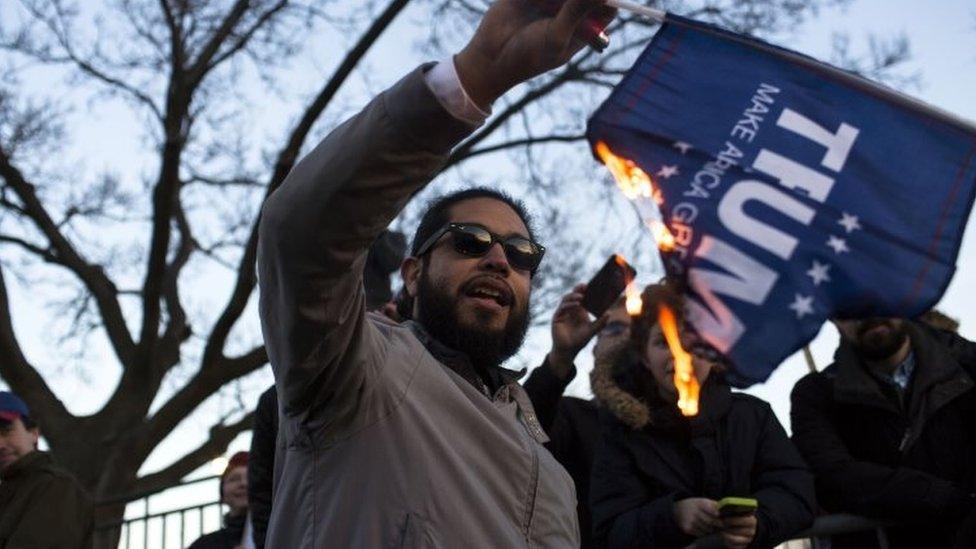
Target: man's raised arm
316, 228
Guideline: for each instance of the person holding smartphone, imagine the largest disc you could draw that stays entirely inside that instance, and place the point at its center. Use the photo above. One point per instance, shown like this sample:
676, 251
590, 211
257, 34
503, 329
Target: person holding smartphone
658, 476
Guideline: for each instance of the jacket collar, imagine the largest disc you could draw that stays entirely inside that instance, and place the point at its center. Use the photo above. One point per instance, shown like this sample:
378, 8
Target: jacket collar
934, 365
461, 364
34, 461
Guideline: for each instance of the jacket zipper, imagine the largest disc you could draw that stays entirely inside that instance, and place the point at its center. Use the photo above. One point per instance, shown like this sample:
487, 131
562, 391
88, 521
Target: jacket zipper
533, 485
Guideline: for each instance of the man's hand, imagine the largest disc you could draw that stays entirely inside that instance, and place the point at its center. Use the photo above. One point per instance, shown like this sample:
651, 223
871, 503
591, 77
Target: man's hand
697, 516
571, 331
738, 530
516, 41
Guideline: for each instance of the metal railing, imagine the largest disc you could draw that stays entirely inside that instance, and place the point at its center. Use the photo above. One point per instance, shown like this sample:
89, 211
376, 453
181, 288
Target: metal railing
162, 529
166, 528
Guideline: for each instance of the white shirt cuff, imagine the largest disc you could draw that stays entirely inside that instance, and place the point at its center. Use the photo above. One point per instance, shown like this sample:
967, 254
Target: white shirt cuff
444, 82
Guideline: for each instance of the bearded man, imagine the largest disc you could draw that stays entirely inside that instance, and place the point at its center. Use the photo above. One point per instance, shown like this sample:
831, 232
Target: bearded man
412, 435
888, 431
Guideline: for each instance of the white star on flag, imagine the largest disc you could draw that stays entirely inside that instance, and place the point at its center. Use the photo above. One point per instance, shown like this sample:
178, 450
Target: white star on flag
667, 171
682, 146
838, 244
802, 305
849, 222
819, 272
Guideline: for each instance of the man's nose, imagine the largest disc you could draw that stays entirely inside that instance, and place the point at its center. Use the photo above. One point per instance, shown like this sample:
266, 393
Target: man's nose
495, 259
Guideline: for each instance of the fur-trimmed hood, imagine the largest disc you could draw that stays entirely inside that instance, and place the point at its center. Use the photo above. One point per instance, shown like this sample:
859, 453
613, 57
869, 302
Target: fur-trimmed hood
626, 389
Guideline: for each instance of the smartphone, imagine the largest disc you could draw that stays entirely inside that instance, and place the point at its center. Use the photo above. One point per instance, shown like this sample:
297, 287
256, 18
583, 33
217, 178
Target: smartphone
737, 506
607, 285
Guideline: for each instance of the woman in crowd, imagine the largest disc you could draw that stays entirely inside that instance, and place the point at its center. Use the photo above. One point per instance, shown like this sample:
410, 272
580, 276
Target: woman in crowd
233, 493
658, 476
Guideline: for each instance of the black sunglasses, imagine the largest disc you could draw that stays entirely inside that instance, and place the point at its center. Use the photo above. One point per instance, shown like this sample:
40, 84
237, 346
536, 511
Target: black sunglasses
474, 240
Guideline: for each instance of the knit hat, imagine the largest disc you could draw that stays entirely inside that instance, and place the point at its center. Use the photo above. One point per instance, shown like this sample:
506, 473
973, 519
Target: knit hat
12, 407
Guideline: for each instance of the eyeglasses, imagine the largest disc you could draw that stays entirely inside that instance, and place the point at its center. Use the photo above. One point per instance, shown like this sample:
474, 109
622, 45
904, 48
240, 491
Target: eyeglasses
474, 240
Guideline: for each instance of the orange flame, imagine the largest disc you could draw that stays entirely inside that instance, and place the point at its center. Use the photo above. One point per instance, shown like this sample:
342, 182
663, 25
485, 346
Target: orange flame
684, 376
634, 303
635, 183
631, 179
662, 235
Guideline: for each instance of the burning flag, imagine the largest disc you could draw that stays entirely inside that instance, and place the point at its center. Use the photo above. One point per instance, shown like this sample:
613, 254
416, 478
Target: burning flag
784, 191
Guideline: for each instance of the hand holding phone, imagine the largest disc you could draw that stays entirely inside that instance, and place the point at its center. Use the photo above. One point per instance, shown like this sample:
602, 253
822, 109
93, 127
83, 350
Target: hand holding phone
739, 522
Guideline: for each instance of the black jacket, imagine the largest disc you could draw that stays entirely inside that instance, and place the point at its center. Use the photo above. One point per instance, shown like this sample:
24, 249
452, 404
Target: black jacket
260, 464
874, 457
227, 537
574, 431
735, 447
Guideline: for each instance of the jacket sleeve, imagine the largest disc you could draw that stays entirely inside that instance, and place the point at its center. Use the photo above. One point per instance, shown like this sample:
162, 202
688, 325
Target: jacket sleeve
850, 485
60, 515
627, 511
545, 390
782, 484
260, 464
314, 234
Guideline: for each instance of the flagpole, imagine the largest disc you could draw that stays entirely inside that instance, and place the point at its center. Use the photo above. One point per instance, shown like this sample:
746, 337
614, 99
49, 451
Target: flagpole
650, 13
809, 356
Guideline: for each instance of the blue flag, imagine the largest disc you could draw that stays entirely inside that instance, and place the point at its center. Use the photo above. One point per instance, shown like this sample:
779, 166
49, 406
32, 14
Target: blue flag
796, 192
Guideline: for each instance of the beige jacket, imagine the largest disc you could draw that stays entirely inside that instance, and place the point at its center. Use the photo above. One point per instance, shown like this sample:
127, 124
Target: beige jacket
380, 444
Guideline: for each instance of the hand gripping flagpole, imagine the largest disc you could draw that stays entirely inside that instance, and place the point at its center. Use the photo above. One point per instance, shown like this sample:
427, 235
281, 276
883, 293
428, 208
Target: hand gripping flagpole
650, 13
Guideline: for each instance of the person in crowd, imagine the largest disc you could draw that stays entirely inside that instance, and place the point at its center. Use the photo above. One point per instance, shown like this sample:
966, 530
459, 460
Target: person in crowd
41, 505
888, 431
658, 476
233, 494
572, 423
412, 434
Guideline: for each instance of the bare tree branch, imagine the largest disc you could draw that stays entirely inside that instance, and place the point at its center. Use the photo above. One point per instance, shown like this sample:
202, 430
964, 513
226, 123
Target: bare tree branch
93, 276
22, 376
220, 437
527, 141
247, 279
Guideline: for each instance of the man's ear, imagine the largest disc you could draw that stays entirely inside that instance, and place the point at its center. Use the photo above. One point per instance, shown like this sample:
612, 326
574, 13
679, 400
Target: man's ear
410, 273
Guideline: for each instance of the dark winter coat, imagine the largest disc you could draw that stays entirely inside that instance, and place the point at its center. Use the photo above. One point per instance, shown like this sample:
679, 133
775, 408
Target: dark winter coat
42, 505
574, 431
734, 447
227, 537
260, 464
875, 457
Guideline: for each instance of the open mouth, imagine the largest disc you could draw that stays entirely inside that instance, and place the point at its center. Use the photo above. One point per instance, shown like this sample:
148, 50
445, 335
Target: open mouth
489, 292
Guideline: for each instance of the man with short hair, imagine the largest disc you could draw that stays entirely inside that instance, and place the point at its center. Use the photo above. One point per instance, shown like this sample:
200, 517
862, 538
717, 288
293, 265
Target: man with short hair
888, 431
41, 505
412, 435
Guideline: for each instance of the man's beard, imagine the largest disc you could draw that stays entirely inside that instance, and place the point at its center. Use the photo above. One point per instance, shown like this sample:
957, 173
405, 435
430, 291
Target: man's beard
485, 348
879, 345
